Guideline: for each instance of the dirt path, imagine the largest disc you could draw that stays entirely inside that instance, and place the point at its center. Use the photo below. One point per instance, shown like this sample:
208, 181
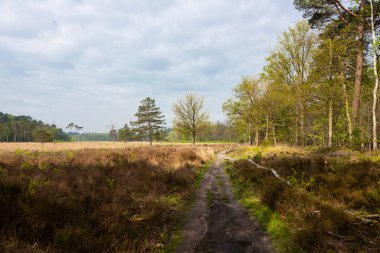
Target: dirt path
217, 222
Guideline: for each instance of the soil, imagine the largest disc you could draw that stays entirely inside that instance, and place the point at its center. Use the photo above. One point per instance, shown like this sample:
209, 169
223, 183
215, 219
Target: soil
217, 222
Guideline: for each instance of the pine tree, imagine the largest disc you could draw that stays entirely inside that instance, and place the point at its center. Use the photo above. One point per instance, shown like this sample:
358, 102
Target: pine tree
150, 119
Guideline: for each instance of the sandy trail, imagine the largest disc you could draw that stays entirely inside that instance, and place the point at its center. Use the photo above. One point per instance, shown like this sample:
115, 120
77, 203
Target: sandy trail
217, 222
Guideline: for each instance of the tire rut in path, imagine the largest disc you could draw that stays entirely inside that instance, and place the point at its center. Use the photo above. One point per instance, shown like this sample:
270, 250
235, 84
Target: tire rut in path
217, 222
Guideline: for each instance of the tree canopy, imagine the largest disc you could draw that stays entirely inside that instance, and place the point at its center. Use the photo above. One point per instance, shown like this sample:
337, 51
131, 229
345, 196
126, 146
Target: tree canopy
190, 116
150, 120
26, 129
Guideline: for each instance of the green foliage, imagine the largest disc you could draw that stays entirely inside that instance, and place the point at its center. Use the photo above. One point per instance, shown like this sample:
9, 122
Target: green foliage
150, 120
35, 185
110, 183
199, 173
42, 135
90, 137
299, 179
125, 133
190, 116
26, 129
257, 157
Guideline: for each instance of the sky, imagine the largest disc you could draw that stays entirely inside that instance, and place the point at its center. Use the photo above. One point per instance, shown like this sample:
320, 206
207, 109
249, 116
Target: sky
92, 62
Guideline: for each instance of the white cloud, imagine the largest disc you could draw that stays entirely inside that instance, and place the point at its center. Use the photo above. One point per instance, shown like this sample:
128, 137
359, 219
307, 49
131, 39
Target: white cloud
93, 61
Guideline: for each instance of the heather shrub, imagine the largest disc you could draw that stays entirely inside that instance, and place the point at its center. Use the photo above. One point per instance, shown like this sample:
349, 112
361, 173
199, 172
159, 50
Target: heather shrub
126, 200
321, 205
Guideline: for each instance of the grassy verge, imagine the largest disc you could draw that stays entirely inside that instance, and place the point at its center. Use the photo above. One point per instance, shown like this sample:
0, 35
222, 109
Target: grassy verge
269, 219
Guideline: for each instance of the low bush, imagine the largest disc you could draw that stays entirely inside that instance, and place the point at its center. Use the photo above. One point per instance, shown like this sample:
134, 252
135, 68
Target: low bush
127, 200
321, 205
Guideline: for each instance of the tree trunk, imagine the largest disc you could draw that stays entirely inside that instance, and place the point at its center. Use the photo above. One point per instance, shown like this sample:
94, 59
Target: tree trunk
267, 128
302, 123
296, 127
250, 134
193, 137
374, 120
257, 137
346, 104
150, 133
246, 134
358, 72
274, 135
330, 123
332, 86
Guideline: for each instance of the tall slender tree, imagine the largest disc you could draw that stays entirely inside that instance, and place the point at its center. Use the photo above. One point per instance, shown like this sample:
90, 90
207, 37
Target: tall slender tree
376, 86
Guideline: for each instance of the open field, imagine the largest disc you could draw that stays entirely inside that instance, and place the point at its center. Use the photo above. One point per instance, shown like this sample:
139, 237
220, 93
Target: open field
91, 198
329, 201
97, 200
61, 146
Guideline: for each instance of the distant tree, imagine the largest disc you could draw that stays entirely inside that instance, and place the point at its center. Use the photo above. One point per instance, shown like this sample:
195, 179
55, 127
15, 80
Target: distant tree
78, 128
92, 137
150, 119
21, 128
125, 133
244, 107
70, 126
190, 116
42, 135
113, 132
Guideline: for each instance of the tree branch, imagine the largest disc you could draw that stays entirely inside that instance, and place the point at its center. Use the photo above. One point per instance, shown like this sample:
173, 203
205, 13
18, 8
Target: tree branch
344, 8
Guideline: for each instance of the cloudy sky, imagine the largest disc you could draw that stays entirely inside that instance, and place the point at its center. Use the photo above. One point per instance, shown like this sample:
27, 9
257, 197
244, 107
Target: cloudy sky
92, 61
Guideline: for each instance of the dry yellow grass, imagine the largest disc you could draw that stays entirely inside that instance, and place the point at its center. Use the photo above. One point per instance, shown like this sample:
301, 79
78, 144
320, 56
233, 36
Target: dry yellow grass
61, 146
246, 151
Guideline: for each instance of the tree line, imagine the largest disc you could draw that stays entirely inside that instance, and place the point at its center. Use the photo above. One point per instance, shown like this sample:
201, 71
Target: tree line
26, 129
319, 84
191, 123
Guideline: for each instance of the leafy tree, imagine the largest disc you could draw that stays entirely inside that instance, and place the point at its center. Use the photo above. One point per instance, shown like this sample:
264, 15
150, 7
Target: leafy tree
336, 15
326, 76
150, 119
243, 107
125, 133
290, 64
190, 116
42, 135
20, 128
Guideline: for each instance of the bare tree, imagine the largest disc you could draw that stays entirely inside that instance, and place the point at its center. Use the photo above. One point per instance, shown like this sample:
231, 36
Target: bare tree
113, 132
189, 115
